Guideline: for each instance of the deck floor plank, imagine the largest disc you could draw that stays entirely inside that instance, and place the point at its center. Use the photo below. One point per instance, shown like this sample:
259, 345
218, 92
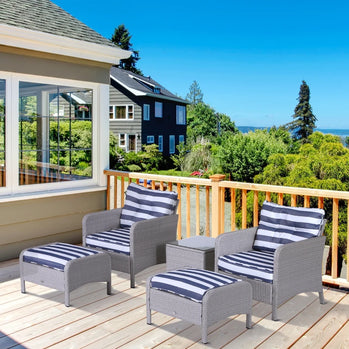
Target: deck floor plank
326, 327
39, 319
292, 331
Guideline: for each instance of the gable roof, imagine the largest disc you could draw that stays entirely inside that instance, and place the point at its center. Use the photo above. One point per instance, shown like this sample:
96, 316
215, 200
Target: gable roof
41, 25
47, 17
140, 85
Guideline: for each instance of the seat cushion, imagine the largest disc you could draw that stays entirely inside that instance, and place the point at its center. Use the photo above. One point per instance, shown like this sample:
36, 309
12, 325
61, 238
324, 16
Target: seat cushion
56, 255
258, 265
190, 283
114, 240
280, 225
142, 203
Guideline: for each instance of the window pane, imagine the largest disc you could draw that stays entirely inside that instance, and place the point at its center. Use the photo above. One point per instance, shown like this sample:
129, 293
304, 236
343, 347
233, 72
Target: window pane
130, 112
180, 114
172, 144
146, 112
158, 109
55, 133
111, 114
120, 112
2, 133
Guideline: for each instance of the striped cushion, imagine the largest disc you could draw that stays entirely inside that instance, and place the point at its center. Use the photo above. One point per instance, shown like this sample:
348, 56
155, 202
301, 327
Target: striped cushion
280, 225
258, 265
115, 240
142, 203
56, 255
190, 283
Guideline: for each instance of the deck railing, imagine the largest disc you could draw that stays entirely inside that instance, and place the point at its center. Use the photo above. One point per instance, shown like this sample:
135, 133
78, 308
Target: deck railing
212, 206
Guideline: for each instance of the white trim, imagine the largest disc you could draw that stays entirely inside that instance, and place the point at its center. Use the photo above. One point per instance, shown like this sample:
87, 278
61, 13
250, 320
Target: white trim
100, 139
142, 93
126, 111
59, 45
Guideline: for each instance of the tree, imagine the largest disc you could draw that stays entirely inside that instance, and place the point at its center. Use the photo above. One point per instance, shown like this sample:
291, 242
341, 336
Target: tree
122, 38
304, 120
195, 95
204, 122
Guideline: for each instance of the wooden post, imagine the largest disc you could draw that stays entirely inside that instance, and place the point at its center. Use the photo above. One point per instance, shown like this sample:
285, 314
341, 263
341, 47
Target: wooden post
216, 204
334, 267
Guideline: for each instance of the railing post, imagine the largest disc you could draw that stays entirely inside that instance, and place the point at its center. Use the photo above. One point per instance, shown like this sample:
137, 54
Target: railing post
216, 205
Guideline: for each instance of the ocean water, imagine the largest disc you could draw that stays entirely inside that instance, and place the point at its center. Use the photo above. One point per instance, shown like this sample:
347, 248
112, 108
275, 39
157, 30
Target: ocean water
334, 131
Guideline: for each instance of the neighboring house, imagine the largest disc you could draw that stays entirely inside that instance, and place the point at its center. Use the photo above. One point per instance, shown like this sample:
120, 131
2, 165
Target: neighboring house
54, 99
142, 112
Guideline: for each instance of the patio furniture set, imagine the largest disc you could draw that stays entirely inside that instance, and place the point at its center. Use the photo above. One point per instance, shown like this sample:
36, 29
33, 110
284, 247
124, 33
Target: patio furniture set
206, 279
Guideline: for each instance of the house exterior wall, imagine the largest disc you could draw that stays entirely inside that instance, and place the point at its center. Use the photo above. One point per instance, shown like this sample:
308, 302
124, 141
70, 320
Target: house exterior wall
43, 64
164, 126
26, 223
156, 127
29, 220
130, 127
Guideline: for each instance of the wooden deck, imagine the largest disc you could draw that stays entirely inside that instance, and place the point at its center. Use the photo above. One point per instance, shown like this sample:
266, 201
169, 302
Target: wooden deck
39, 319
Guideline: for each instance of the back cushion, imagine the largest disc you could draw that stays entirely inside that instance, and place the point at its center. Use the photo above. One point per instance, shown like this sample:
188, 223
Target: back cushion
280, 225
142, 203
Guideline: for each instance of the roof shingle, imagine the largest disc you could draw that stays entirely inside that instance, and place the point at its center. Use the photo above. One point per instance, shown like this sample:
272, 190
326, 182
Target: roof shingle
47, 17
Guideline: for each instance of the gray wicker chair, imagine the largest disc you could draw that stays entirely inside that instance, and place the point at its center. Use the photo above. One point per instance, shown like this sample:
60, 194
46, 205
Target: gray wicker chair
297, 266
147, 243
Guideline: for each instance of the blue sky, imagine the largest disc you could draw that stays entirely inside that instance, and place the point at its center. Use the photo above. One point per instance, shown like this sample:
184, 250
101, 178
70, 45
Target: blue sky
249, 57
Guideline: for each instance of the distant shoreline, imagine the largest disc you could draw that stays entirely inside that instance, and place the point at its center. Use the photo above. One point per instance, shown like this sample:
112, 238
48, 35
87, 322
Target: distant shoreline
334, 131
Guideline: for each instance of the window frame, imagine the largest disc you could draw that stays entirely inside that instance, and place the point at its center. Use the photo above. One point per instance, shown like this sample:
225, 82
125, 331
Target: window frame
172, 144
127, 106
13, 186
146, 115
179, 120
157, 113
161, 143
150, 139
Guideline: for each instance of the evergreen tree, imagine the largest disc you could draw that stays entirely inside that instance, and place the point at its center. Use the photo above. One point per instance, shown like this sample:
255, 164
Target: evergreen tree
304, 120
122, 38
195, 95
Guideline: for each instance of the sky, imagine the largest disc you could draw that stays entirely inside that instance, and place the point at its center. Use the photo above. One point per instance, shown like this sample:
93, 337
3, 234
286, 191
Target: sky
248, 57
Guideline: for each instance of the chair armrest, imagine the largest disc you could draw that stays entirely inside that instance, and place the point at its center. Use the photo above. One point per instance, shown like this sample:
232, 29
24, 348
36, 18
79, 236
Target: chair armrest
299, 260
153, 231
100, 221
235, 241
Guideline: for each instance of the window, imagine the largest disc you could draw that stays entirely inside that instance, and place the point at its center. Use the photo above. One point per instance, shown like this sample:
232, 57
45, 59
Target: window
121, 112
146, 112
55, 133
180, 114
2, 133
49, 141
161, 143
150, 139
172, 144
158, 109
122, 140
181, 138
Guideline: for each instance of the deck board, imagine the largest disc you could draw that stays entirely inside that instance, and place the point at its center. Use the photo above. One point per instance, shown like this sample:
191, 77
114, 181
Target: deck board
39, 319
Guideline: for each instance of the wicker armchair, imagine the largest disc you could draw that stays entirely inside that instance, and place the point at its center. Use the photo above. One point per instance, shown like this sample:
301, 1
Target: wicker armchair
144, 242
289, 269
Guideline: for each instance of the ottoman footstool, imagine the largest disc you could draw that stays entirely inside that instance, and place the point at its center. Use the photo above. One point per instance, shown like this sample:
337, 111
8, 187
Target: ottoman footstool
64, 267
199, 296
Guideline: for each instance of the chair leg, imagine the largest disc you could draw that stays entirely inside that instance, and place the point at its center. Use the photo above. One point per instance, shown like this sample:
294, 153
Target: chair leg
22, 285
67, 298
148, 312
321, 297
274, 315
248, 320
109, 287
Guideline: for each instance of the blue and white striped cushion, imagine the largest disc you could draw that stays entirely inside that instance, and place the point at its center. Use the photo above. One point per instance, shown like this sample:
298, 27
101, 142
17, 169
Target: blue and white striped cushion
142, 203
114, 240
190, 283
56, 255
258, 265
280, 225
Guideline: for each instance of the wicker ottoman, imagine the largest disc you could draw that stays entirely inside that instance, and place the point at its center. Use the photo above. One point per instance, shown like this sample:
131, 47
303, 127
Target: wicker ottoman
64, 267
199, 296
